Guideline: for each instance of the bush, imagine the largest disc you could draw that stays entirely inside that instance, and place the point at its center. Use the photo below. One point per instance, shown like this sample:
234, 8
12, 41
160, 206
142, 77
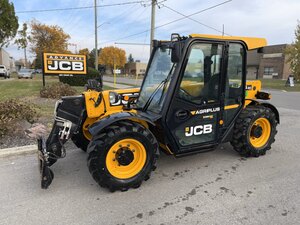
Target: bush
12, 111
57, 90
80, 80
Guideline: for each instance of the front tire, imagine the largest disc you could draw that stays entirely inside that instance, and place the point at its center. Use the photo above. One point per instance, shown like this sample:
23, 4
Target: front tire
80, 140
122, 156
254, 131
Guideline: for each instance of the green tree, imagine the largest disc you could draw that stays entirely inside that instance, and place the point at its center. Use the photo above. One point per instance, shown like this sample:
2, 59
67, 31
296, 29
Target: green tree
44, 38
22, 41
130, 58
8, 22
293, 53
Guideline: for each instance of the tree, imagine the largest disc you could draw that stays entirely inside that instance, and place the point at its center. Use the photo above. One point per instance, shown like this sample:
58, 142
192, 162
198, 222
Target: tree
90, 56
111, 56
130, 58
44, 38
293, 52
8, 22
22, 41
84, 51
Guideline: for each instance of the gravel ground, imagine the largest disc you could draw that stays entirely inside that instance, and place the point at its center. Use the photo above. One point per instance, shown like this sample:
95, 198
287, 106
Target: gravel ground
20, 137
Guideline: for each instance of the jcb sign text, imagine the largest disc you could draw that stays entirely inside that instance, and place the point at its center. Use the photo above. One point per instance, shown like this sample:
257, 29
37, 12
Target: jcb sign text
64, 64
198, 130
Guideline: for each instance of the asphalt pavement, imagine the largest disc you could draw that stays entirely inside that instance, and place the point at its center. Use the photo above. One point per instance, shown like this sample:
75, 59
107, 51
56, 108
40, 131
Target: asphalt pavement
217, 187
123, 80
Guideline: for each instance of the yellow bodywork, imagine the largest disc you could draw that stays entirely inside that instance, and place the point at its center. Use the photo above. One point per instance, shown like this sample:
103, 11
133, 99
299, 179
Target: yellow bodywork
95, 113
251, 42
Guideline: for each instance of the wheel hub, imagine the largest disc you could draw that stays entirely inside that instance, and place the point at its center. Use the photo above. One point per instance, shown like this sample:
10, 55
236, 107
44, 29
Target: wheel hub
124, 156
256, 131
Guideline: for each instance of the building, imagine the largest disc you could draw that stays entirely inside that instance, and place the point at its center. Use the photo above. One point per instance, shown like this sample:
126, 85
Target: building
12, 64
270, 63
4, 58
135, 68
20, 64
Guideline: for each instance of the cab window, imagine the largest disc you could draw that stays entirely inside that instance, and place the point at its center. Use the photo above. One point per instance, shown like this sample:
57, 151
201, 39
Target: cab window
200, 82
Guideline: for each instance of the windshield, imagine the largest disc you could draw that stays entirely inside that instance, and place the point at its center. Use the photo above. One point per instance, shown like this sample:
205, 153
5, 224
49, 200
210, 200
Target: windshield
157, 80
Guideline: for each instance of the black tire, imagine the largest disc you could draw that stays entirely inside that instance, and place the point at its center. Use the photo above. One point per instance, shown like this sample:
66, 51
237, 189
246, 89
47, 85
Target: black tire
244, 126
100, 146
80, 140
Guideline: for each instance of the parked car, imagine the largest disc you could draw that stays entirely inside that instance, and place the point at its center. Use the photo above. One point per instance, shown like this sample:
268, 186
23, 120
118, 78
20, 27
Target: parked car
3, 72
25, 73
37, 71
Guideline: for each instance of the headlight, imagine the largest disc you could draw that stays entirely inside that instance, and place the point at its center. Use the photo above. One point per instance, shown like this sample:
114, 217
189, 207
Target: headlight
56, 106
114, 97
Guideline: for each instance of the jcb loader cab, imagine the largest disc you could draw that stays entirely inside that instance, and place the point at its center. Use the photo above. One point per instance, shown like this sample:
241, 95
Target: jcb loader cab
194, 96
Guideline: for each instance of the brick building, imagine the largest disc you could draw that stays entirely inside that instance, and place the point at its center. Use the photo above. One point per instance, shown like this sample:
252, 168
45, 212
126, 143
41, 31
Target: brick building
269, 64
135, 68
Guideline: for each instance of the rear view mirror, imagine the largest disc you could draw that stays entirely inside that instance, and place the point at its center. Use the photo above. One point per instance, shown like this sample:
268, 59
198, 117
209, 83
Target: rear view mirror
176, 53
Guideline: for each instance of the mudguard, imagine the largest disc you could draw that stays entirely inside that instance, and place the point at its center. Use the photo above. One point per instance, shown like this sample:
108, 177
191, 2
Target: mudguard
108, 120
273, 108
268, 105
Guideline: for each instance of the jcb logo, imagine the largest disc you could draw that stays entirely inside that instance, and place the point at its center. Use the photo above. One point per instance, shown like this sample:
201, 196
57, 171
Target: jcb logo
65, 66
198, 130
55, 63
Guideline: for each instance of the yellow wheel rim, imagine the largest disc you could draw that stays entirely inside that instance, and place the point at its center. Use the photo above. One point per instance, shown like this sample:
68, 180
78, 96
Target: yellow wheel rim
126, 158
260, 140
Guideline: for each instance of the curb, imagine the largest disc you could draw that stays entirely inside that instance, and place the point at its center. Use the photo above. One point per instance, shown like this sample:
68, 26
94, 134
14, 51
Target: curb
28, 149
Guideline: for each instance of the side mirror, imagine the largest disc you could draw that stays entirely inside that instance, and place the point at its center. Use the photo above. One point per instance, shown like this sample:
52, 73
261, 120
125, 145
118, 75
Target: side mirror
176, 53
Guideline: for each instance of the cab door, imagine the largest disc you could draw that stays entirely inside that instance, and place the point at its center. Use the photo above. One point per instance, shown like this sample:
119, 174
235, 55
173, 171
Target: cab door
193, 115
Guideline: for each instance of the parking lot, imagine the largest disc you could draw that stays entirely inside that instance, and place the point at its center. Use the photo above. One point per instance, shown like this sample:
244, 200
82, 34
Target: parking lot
217, 187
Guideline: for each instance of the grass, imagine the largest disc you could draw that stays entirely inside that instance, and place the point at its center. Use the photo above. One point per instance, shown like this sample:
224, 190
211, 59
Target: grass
279, 84
29, 90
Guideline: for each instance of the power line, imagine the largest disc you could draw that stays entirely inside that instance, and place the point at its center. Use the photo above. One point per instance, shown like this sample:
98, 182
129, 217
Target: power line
111, 20
189, 17
127, 43
168, 23
83, 7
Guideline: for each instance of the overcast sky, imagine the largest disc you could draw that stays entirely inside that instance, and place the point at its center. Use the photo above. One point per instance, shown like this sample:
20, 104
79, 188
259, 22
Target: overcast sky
274, 20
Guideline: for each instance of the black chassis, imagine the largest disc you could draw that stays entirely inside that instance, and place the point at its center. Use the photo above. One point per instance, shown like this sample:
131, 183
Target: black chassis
69, 113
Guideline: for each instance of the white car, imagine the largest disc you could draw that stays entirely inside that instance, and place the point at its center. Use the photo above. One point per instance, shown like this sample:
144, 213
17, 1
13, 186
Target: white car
3, 72
25, 73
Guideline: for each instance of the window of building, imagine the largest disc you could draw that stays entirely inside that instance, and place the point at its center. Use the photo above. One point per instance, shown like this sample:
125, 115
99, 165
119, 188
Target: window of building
268, 70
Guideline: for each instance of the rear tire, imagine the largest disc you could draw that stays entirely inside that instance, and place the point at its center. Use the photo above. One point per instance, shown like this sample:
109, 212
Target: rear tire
254, 131
121, 141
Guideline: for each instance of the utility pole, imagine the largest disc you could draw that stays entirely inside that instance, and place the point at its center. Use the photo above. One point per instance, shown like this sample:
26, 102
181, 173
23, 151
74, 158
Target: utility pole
96, 37
153, 3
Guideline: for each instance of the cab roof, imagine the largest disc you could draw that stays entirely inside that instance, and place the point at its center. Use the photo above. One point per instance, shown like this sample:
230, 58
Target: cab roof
251, 42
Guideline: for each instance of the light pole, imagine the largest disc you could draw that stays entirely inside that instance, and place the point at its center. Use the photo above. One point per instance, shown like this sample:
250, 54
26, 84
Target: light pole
153, 3
96, 38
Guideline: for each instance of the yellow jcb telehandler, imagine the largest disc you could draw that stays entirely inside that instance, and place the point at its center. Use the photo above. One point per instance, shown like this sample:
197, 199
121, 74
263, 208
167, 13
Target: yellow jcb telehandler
194, 96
